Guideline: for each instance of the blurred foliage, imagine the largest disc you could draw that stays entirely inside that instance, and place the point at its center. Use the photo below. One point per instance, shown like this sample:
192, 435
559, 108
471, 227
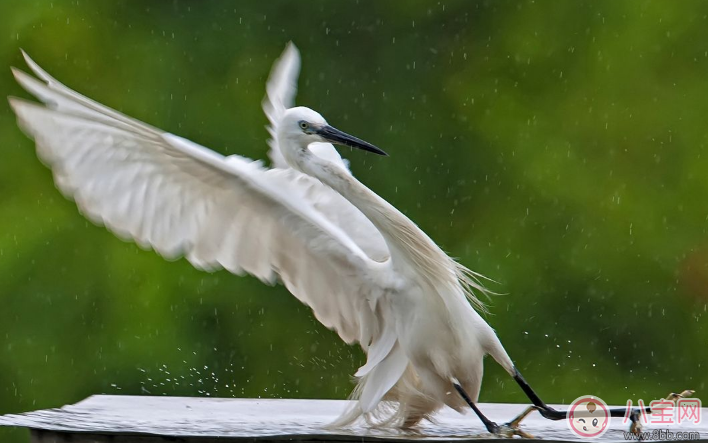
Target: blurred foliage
559, 148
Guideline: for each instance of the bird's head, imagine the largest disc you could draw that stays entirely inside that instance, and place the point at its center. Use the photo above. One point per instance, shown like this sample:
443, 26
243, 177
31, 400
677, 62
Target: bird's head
301, 126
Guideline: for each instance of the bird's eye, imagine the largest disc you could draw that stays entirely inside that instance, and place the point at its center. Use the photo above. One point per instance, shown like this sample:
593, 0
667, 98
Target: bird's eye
304, 125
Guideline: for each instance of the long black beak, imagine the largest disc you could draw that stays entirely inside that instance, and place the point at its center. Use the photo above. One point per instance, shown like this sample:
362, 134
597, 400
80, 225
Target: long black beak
334, 135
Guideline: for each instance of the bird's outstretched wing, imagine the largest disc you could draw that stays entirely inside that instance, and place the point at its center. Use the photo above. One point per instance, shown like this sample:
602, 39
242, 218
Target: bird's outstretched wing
182, 199
280, 95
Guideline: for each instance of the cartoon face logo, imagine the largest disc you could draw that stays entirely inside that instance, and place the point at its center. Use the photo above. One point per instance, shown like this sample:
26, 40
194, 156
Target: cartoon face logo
588, 417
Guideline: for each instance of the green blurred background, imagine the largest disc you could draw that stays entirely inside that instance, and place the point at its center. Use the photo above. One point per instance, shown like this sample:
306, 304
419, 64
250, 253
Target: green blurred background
559, 148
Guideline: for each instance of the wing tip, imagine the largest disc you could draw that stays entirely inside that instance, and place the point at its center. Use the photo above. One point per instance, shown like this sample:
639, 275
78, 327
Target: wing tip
36, 69
286, 69
16, 103
291, 50
22, 109
23, 78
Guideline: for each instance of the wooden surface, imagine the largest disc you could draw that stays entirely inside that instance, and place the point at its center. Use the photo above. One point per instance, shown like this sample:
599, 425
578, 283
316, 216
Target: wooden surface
115, 419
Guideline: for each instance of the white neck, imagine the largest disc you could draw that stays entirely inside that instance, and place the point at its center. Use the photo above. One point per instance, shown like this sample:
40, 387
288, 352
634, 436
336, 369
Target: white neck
410, 247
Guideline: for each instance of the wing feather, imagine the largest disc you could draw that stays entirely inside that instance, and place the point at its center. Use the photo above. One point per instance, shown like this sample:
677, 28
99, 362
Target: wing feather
181, 199
174, 196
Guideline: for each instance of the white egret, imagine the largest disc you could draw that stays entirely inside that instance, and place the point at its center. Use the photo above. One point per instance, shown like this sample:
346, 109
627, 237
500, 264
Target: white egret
365, 269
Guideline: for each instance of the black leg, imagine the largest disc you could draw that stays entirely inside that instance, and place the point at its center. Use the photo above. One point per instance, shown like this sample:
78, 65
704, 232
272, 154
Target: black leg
490, 425
554, 414
507, 430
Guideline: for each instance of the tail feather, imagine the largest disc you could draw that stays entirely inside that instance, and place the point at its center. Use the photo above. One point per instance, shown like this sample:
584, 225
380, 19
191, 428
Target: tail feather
382, 378
404, 405
373, 386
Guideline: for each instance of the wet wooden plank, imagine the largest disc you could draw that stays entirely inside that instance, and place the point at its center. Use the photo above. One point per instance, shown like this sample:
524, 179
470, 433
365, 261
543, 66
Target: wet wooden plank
119, 419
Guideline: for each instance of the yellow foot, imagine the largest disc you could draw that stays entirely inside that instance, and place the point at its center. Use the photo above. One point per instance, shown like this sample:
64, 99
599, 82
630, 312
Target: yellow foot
674, 397
511, 429
636, 426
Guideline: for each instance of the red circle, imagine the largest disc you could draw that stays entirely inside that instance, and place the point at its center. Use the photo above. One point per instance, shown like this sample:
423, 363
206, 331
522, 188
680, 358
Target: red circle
580, 401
